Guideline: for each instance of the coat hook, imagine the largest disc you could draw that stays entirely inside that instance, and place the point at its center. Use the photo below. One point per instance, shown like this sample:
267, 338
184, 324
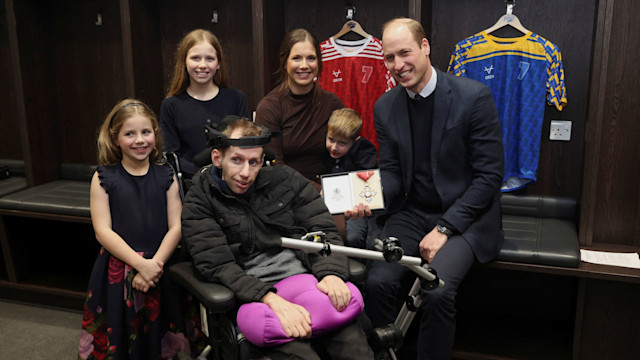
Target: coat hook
351, 11
98, 19
510, 5
214, 17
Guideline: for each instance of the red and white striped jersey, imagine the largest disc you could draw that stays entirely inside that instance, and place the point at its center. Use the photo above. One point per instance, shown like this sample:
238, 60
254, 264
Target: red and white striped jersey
356, 72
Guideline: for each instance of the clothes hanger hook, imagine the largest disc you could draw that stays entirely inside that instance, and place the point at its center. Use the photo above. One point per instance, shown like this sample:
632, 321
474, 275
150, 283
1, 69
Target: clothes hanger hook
351, 11
510, 5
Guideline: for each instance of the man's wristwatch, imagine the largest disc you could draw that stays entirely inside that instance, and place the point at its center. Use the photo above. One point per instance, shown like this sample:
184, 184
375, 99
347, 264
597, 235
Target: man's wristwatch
444, 230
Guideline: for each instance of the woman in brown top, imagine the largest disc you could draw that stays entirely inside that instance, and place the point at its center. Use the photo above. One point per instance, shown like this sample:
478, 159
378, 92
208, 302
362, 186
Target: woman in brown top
299, 108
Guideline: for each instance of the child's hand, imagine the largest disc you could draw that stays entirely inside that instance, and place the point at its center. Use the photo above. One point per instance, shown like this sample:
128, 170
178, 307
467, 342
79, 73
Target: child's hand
151, 270
140, 284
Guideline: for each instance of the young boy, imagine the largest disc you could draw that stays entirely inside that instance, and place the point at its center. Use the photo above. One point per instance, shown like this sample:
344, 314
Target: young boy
350, 152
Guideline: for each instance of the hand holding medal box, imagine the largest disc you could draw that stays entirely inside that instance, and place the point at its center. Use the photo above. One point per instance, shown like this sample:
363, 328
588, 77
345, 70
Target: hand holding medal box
341, 192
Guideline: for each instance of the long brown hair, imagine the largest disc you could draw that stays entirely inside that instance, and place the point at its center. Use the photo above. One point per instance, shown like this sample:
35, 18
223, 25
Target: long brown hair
180, 80
108, 152
289, 40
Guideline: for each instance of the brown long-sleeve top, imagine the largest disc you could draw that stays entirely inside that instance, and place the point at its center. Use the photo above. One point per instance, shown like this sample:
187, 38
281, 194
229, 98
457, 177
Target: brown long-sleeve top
302, 120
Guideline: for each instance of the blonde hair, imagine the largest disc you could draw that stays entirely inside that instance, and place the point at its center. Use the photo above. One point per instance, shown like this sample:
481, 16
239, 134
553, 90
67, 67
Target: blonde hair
108, 152
180, 79
345, 123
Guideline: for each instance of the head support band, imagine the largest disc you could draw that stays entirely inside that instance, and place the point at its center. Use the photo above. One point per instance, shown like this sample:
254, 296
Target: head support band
217, 140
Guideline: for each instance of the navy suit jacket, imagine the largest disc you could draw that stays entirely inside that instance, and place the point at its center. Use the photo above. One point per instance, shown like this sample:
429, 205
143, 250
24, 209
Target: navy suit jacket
466, 157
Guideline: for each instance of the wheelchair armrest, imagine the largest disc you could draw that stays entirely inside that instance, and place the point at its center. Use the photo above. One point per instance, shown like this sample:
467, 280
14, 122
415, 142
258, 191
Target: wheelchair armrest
218, 298
215, 297
357, 272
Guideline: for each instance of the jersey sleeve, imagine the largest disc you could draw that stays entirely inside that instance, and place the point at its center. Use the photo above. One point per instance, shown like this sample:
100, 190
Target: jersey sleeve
556, 90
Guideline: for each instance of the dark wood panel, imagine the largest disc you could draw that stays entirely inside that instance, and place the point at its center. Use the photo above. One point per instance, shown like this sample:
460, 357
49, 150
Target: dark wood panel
41, 132
147, 52
617, 204
72, 75
593, 136
88, 72
325, 18
233, 29
10, 144
610, 321
426, 15
274, 29
560, 168
515, 315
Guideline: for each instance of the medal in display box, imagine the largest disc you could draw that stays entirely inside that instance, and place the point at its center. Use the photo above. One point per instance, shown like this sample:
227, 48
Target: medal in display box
341, 192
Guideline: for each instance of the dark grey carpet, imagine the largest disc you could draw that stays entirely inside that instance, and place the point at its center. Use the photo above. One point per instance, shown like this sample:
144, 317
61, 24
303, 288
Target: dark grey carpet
36, 333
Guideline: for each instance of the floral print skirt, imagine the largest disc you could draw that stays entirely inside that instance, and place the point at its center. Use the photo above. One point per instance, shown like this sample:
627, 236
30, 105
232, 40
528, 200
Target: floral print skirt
120, 322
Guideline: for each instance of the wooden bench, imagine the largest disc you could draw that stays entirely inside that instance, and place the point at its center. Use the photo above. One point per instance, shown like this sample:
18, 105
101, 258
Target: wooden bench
540, 230
47, 239
16, 180
541, 236
539, 299
64, 199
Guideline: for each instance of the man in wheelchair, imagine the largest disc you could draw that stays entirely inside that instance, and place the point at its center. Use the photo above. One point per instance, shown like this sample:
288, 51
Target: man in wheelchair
234, 215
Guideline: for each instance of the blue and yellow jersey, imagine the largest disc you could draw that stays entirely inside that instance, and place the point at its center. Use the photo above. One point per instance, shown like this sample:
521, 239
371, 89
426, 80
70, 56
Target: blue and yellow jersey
522, 73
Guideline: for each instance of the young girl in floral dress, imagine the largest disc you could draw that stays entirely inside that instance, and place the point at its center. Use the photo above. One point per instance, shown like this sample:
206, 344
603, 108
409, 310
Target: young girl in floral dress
135, 211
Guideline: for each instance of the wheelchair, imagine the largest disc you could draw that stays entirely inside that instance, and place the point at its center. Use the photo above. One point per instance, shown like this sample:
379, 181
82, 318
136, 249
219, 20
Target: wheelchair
217, 302
218, 305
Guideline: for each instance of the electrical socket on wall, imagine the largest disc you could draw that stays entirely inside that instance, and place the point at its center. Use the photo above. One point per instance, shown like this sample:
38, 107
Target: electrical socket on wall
560, 130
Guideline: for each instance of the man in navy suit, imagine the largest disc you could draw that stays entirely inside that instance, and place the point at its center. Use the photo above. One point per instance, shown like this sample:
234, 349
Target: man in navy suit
441, 161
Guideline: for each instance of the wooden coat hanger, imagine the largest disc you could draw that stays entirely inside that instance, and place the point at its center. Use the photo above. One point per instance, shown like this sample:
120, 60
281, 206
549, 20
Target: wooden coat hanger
508, 19
351, 26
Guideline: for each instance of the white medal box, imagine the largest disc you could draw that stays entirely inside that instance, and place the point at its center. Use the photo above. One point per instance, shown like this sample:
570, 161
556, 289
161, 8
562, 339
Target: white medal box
343, 191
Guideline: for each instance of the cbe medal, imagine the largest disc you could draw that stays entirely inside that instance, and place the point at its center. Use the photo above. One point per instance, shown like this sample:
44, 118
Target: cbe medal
367, 192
